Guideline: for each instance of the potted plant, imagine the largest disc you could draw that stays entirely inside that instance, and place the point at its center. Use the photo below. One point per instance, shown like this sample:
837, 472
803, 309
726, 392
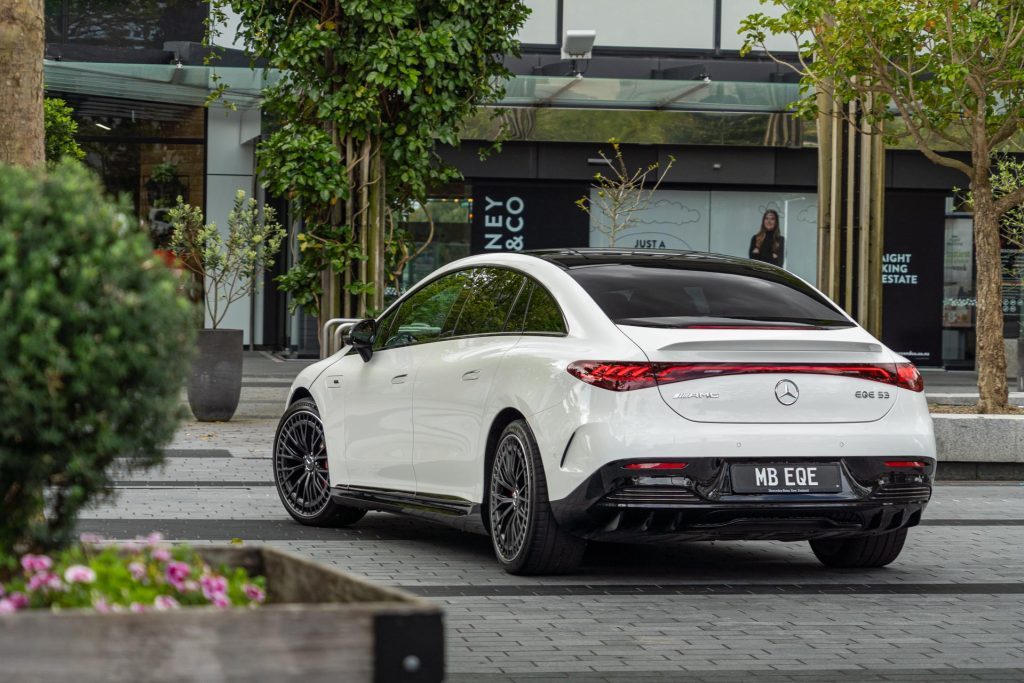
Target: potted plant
226, 271
164, 184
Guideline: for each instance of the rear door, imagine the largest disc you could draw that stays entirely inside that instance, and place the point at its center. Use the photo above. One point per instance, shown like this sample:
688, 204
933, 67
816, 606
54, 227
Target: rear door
738, 344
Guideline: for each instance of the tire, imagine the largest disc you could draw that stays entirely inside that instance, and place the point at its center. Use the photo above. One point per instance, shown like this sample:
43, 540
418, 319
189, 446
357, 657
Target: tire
525, 536
860, 552
300, 469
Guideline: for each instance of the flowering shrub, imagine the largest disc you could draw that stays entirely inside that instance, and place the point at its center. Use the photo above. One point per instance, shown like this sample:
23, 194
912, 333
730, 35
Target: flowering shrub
138, 577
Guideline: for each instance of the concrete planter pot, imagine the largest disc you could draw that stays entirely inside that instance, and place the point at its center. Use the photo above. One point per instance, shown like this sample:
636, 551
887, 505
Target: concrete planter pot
215, 384
318, 624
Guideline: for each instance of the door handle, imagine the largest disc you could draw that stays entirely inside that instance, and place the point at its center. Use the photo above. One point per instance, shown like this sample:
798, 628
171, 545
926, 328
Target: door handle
472, 374
399, 379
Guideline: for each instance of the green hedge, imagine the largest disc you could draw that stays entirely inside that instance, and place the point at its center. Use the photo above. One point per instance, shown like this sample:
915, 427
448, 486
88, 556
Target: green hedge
94, 342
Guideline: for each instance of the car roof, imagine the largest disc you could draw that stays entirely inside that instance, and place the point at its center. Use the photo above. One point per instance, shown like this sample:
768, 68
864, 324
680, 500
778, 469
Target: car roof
696, 260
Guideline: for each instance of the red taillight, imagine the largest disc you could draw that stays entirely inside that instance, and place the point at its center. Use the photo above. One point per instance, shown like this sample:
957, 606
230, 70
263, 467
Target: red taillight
908, 377
613, 376
655, 466
905, 463
626, 376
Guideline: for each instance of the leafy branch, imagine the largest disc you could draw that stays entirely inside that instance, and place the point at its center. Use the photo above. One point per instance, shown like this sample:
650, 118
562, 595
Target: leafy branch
231, 269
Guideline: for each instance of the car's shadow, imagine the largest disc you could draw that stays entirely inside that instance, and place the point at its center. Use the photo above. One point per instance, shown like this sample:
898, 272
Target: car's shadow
718, 562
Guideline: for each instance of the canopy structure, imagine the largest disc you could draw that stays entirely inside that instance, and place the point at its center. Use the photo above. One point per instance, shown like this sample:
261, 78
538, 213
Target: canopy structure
649, 94
180, 84
169, 83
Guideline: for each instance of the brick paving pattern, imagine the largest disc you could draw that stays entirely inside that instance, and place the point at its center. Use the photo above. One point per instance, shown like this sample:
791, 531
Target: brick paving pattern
950, 609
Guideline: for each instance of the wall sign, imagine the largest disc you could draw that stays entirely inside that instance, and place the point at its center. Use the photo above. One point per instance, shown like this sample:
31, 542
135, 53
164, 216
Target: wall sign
521, 217
912, 276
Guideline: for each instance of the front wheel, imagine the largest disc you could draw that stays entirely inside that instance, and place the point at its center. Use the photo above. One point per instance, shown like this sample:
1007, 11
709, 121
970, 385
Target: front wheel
524, 533
861, 552
300, 469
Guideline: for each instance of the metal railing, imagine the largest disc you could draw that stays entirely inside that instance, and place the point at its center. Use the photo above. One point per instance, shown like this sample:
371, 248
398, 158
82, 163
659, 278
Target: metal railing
330, 343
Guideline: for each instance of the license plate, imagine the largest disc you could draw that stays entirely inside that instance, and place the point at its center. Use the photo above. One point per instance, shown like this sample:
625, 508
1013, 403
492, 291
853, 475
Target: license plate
785, 478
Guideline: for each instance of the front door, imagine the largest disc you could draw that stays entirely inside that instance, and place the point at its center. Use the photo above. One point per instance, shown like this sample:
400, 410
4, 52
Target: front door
453, 385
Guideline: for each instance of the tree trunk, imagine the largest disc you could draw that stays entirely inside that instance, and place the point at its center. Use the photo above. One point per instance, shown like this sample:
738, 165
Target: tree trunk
21, 70
992, 390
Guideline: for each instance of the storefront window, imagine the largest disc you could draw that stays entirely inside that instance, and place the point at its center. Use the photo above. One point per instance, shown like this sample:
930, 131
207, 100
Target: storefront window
150, 152
722, 222
452, 215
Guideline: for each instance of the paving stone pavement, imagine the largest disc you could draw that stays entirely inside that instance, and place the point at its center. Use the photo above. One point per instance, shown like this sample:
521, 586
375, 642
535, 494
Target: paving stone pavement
950, 609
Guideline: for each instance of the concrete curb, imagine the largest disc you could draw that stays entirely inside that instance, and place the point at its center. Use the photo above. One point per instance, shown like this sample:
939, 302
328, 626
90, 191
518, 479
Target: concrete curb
979, 438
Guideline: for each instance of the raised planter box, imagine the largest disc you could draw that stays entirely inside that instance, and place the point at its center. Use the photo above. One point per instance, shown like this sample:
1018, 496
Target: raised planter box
318, 624
979, 438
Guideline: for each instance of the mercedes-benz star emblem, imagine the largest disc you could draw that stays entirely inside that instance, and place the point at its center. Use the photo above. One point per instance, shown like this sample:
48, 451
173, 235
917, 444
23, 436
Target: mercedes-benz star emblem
787, 392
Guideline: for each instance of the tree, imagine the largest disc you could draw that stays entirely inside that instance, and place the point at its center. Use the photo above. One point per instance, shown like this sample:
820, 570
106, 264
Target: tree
368, 88
21, 76
60, 129
621, 194
948, 74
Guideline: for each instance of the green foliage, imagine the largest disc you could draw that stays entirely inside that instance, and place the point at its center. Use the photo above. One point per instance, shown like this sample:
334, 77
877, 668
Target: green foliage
620, 194
136, 576
231, 269
367, 83
164, 172
1008, 177
950, 70
60, 131
91, 346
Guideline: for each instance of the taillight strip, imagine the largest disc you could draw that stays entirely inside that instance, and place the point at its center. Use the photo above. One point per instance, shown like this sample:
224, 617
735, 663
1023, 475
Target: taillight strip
627, 376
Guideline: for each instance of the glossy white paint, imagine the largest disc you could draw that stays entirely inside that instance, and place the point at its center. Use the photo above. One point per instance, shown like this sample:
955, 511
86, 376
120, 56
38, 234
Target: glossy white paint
429, 433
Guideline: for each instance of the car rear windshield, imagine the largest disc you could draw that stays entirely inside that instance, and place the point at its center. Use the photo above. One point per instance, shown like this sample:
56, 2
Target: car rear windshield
670, 295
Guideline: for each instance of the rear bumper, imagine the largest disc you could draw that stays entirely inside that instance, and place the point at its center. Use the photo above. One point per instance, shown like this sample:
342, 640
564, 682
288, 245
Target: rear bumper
698, 503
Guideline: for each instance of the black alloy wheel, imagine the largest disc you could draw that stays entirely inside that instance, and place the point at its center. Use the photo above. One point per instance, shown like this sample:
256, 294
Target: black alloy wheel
510, 497
301, 472
525, 535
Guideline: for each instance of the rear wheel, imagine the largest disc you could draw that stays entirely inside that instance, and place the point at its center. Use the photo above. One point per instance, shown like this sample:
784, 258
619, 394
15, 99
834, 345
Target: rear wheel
300, 469
524, 533
860, 552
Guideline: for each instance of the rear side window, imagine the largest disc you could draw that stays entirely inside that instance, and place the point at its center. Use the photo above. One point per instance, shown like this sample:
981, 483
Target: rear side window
490, 299
536, 312
666, 296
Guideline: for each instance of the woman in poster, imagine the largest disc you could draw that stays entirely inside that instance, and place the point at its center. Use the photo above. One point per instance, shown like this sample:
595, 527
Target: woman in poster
768, 244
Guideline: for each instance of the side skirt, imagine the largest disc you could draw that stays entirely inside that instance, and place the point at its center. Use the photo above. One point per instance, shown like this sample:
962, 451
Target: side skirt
449, 510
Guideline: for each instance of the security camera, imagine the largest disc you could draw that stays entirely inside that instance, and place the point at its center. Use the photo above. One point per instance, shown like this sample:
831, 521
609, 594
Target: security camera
578, 44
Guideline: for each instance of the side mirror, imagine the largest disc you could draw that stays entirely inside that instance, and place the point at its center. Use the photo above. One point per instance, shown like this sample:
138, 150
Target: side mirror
362, 337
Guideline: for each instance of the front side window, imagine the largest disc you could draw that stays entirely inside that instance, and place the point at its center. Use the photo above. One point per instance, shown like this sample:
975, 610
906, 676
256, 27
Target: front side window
664, 295
426, 315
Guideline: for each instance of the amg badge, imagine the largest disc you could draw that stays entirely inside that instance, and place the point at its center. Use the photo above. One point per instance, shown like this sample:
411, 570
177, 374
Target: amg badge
697, 394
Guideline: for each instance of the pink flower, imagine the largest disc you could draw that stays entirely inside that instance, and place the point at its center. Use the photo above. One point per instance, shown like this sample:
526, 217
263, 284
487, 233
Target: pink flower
6, 606
161, 554
213, 585
19, 600
136, 607
165, 602
101, 606
36, 563
220, 600
254, 592
154, 538
176, 573
138, 570
78, 573
90, 539
43, 580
